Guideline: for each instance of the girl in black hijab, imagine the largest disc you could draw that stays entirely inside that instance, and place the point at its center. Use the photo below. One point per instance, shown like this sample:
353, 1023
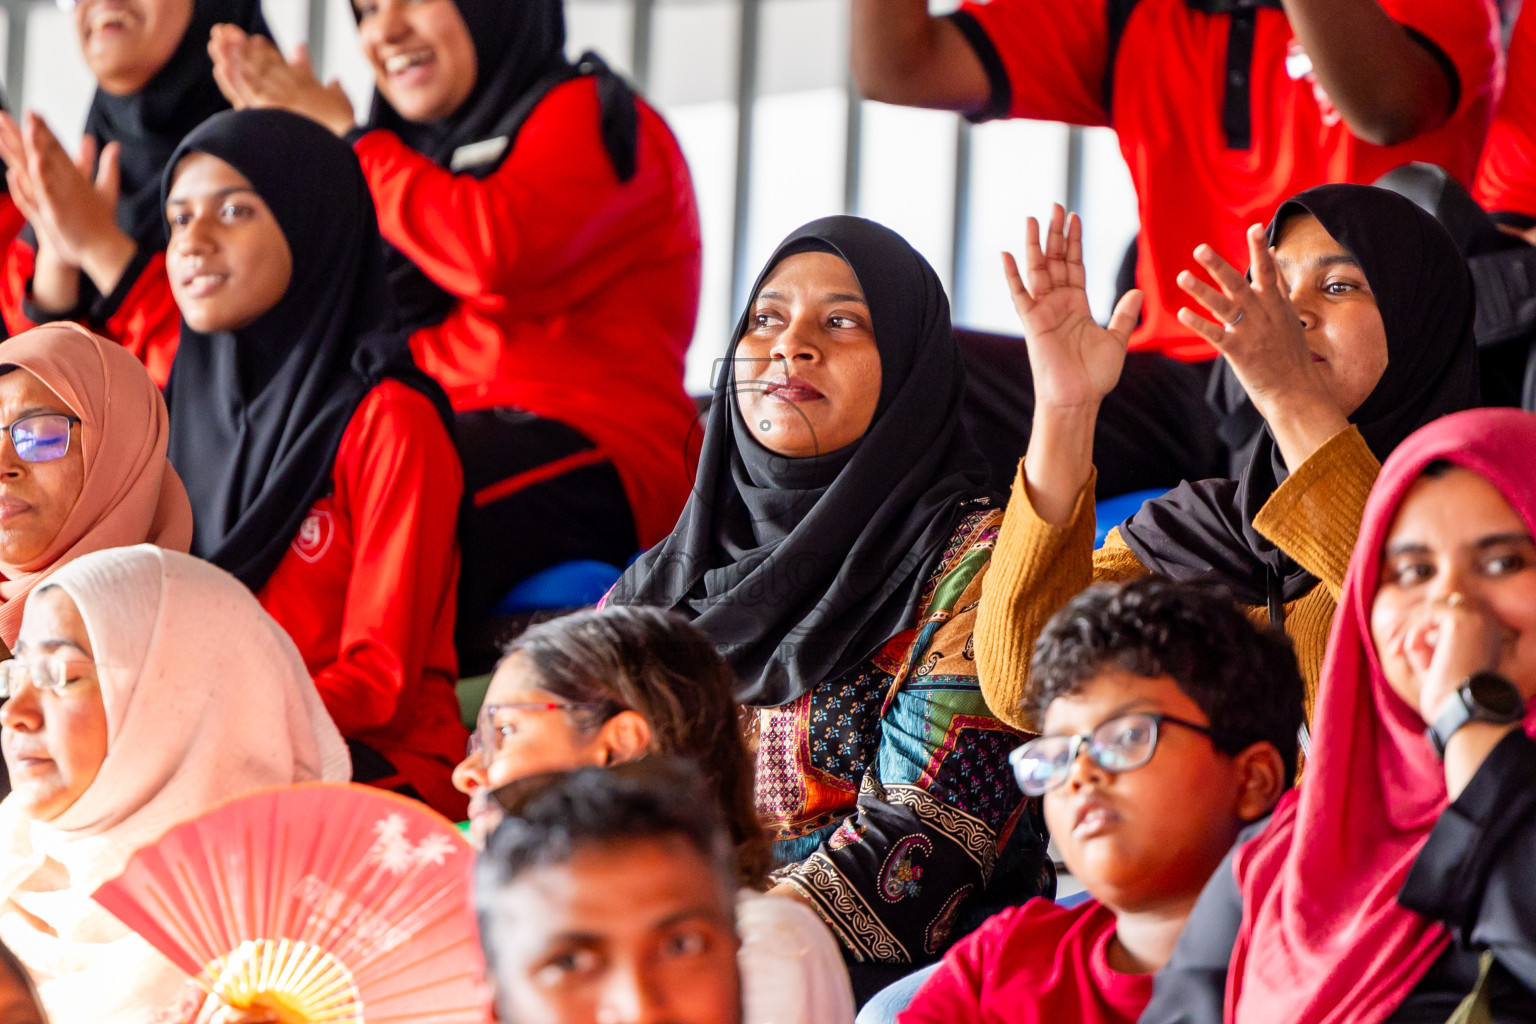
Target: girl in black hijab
1385, 307
833, 549
106, 245
316, 455
544, 253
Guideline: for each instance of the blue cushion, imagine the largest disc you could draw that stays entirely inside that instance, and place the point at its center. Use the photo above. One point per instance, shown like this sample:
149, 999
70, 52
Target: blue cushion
567, 585
1111, 512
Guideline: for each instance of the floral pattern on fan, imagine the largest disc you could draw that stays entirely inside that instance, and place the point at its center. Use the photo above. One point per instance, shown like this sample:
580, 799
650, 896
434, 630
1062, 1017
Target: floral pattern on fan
393, 850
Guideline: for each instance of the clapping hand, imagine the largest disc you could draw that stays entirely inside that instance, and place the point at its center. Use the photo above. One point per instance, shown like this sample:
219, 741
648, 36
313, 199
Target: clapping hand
251, 73
70, 202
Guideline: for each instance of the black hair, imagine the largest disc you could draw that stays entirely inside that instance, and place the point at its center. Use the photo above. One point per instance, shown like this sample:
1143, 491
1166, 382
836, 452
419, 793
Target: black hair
1437, 469
552, 816
1243, 676
659, 665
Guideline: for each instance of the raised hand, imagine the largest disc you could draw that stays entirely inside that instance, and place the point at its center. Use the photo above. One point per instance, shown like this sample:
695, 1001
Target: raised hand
1262, 336
1075, 362
251, 73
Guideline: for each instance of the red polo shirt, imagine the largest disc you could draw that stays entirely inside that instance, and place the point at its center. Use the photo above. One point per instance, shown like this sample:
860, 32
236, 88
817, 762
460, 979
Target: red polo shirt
1215, 142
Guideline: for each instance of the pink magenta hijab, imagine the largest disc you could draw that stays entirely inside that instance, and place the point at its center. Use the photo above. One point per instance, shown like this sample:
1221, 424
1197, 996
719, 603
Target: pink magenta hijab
1323, 938
131, 494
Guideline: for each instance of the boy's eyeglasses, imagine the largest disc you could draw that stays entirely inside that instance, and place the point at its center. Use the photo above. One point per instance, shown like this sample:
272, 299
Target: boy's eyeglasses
1122, 744
487, 738
43, 437
49, 673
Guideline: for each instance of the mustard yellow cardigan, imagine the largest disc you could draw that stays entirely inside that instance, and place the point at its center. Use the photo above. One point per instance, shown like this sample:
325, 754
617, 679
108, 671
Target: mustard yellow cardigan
1036, 568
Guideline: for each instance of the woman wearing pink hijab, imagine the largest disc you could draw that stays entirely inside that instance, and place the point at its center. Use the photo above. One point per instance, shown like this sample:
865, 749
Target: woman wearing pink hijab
85, 466
1407, 852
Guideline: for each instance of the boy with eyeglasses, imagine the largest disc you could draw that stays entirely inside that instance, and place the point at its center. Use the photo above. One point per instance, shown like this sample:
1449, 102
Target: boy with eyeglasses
1169, 723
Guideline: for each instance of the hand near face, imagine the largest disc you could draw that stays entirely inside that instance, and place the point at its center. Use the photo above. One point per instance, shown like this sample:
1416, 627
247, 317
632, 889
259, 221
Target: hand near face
1075, 362
1258, 329
251, 73
70, 202
1447, 643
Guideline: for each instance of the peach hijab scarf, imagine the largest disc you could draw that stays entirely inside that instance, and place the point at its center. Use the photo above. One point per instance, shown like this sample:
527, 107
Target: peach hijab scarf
131, 494
206, 699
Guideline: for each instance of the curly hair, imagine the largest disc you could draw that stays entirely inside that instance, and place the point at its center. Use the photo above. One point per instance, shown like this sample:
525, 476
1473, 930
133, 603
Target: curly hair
657, 664
1244, 677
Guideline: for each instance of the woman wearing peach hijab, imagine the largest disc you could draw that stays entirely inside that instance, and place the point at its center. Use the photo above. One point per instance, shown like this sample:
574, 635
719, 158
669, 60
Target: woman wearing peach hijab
148, 688
85, 468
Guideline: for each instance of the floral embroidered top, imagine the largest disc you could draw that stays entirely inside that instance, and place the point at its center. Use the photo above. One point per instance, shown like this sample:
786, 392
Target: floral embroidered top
887, 790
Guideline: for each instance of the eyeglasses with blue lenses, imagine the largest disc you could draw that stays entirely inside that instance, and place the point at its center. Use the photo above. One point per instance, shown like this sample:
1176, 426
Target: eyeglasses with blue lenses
42, 437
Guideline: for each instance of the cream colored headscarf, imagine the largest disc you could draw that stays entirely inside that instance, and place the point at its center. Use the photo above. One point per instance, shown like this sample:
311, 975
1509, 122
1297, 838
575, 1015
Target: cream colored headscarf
131, 494
206, 699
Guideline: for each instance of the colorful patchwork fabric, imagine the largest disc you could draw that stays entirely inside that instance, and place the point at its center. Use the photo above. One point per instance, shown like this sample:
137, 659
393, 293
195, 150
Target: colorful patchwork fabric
887, 791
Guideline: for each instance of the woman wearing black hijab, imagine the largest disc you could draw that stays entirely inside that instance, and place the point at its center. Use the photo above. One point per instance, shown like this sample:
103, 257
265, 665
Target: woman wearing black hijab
88, 247
833, 550
316, 455
544, 252
1355, 330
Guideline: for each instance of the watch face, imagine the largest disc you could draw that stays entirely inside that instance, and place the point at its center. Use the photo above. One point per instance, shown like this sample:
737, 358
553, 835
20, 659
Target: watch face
1497, 696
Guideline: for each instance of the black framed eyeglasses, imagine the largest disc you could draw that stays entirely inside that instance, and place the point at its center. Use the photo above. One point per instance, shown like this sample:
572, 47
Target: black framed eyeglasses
1122, 744
43, 436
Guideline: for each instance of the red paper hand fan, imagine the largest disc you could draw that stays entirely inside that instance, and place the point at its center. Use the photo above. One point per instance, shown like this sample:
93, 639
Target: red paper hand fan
330, 903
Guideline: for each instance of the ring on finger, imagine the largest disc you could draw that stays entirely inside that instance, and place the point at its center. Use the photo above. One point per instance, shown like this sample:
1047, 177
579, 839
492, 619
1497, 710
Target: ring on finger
1236, 320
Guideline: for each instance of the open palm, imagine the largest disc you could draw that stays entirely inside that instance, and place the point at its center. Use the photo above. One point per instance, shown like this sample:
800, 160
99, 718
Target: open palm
1075, 362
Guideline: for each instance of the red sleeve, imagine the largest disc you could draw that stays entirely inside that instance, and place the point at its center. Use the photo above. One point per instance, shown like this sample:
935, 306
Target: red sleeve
1506, 181
523, 224
142, 316
1046, 58
20, 258
11, 220
1466, 34
398, 476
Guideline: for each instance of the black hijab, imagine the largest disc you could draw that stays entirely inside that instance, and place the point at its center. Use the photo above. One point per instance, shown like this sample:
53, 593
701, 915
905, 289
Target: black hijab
257, 413
1424, 292
150, 123
520, 57
799, 569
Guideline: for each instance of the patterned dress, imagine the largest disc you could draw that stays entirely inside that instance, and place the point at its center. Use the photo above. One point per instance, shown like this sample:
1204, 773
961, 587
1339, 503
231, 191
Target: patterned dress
887, 791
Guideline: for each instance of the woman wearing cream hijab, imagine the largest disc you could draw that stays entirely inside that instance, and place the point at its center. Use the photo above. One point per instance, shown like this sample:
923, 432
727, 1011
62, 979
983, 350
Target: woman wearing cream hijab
148, 688
95, 478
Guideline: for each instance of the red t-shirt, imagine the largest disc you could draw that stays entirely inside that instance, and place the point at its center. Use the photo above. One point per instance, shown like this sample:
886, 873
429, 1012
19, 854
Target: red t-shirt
578, 292
367, 590
1167, 107
1506, 180
1035, 964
